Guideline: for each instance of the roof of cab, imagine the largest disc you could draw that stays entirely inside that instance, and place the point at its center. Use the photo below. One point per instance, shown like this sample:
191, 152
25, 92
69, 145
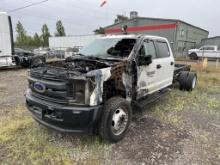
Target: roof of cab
134, 36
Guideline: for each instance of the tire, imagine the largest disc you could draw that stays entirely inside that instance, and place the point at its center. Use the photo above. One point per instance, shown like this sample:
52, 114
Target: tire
115, 120
182, 79
187, 80
17, 61
193, 56
191, 81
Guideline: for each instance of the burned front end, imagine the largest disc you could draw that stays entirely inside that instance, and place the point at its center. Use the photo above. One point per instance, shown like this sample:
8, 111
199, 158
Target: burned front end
67, 96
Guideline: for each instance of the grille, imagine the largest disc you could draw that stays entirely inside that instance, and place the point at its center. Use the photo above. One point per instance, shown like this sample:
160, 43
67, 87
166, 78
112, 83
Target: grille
58, 90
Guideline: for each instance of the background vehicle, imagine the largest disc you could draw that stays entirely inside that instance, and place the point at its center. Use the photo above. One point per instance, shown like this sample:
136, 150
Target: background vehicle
56, 53
6, 40
72, 51
208, 51
26, 58
9, 56
41, 50
96, 90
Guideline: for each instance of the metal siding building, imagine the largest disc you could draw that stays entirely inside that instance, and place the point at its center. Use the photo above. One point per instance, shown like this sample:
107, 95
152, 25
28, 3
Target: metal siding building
181, 35
211, 41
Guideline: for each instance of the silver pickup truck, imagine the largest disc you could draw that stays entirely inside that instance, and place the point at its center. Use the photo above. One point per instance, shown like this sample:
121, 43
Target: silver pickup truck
208, 51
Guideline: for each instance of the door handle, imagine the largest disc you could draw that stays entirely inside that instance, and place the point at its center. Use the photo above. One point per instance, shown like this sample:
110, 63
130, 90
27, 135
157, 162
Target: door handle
171, 63
159, 66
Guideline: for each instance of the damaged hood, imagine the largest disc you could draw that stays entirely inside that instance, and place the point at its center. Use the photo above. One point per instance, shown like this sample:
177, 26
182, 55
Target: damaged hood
84, 65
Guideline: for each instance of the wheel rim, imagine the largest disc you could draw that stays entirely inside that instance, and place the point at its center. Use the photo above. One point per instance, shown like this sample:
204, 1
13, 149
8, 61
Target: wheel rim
119, 121
194, 83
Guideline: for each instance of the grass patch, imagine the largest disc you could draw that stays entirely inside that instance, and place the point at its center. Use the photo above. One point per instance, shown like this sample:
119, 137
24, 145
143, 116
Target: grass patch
213, 103
169, 108
23, 141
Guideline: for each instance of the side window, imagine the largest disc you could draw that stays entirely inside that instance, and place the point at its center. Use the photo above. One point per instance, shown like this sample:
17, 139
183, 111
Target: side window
205, 48
148, 48
210, 48
202, 48
163, 49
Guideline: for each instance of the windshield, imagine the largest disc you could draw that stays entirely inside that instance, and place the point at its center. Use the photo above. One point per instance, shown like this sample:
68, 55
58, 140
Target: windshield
113, 47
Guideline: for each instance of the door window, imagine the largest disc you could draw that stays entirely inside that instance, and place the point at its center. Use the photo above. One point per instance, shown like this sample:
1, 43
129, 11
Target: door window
163, 49
148, 48
202, 48
210, 48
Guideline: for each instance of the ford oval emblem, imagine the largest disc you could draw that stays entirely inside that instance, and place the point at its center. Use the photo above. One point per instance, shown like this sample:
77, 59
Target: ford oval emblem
39, 87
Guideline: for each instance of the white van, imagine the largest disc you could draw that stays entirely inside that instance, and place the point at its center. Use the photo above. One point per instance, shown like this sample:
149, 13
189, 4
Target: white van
6, 40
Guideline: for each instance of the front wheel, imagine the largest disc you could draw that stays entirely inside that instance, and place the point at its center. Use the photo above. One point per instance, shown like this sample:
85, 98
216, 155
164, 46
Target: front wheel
115, 120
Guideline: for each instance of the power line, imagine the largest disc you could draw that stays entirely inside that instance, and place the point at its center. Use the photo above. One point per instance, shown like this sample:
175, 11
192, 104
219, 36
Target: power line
32, 4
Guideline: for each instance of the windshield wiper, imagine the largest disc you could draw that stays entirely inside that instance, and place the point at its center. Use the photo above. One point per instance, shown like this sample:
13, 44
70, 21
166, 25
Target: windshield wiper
94, 57
80, 54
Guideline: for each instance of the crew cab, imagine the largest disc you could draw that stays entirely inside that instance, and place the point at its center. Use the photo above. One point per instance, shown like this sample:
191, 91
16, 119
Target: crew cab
207, 51
97, 90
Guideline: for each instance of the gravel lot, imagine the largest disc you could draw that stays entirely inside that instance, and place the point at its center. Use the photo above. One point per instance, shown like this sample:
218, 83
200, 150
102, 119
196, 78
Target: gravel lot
180, 128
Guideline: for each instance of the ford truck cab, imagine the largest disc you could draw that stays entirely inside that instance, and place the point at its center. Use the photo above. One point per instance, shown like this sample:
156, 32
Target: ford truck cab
97, 90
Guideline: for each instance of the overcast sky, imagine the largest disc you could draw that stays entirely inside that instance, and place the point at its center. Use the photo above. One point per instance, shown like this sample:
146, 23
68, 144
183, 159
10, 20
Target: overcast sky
83, 16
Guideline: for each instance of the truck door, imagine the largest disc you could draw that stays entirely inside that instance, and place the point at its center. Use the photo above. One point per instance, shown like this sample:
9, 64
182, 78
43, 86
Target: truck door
147, 74
165, 64
207, 51
159, 73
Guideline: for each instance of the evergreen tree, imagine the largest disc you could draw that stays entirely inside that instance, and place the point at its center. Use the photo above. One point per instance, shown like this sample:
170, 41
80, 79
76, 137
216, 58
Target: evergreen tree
37, 40
60, 29
45, 35
101, 30
21, 36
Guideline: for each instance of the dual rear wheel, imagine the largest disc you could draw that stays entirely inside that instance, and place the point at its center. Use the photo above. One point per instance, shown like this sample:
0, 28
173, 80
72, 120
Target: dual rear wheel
187, 80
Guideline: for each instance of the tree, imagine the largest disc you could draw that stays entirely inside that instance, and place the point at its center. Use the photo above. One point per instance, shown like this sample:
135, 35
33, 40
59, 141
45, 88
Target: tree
60, 29
45, 35
21, 34
101, 30
37, 40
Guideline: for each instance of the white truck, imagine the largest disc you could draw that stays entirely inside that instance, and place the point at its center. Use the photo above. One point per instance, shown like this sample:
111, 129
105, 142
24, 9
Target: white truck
207, 51
6, 40
10, 56
97, 90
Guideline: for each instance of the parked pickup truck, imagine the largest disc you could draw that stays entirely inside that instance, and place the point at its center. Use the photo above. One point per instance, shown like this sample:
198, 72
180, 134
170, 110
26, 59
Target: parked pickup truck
208, 51
97, 90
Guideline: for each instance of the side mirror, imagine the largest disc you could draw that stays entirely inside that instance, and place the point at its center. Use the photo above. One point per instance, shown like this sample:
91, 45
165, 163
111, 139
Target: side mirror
144, 60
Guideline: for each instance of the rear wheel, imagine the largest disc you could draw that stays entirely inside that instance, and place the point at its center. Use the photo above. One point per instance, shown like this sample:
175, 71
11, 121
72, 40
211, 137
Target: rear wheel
187, 80
115, 119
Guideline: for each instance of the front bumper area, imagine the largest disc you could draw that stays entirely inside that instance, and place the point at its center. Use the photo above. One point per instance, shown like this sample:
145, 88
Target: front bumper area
63, 118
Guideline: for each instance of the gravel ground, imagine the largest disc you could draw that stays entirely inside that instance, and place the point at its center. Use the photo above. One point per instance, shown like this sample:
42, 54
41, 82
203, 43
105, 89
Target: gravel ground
12, 87
180, 128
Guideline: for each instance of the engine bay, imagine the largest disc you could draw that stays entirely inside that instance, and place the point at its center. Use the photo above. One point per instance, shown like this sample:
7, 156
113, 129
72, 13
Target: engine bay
80, 65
